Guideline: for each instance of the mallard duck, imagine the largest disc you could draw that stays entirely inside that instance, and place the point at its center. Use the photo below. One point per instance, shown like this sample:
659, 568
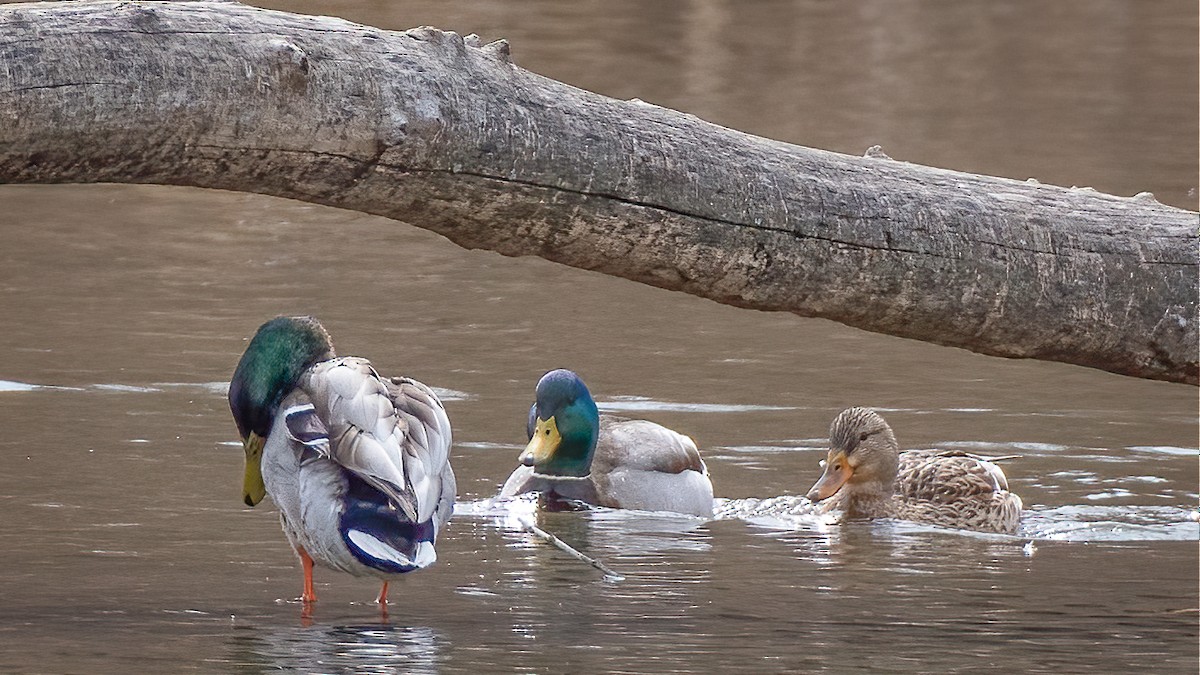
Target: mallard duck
359, 466
575, 453
868, 477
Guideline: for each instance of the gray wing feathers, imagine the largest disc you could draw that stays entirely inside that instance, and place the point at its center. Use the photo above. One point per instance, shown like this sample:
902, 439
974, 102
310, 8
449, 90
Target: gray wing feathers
394, 436
644, 445
426, 448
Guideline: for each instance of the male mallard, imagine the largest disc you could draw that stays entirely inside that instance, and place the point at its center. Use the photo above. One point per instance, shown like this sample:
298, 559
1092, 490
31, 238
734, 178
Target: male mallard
358, 465
872, 479
576, 453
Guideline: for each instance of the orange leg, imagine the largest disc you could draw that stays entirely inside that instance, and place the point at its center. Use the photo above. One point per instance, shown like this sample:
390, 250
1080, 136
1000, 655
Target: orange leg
310, 594
383, 603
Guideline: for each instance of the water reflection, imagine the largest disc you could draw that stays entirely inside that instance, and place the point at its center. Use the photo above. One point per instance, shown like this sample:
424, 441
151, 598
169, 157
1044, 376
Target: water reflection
561, 609
632, 534
373, 648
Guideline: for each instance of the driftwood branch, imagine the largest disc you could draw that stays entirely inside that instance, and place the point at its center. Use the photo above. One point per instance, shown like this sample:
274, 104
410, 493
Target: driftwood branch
563, 546
447, 134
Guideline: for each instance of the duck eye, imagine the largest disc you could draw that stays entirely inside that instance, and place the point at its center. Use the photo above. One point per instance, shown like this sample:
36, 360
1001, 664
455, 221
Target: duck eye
863, 436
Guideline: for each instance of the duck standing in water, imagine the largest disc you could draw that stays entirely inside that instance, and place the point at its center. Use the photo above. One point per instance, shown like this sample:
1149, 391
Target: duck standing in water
867, 477
575, 453
358, 465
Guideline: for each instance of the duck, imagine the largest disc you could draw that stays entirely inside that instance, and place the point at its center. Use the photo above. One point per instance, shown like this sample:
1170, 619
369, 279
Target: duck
575, 454
358, 465
866, 476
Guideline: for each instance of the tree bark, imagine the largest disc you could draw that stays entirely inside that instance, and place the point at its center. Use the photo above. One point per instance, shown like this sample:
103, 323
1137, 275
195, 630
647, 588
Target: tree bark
447, 134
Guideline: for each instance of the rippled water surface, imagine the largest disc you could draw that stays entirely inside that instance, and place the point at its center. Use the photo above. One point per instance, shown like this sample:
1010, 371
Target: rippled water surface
124, 546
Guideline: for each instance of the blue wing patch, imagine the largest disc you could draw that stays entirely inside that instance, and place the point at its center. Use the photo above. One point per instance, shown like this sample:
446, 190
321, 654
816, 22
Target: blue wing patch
379, 535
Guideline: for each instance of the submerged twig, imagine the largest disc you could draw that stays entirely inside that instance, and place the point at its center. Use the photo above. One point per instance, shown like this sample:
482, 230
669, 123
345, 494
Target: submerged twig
568, 549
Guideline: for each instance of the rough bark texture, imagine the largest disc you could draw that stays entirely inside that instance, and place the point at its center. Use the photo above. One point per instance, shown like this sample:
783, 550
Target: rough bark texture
447, 134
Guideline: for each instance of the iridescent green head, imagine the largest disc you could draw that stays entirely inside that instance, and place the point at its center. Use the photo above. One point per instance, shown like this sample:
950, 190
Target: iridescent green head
278, 354
563, 426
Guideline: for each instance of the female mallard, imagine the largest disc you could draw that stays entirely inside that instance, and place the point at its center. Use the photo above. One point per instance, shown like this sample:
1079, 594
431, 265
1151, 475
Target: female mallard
872, 479
358, 465
575, 453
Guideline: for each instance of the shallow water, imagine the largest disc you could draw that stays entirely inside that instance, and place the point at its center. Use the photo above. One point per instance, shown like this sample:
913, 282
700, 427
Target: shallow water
124, 546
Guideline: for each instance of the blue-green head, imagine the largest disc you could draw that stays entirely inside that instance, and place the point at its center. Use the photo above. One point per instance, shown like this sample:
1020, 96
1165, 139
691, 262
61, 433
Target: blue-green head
278, 354
563, 426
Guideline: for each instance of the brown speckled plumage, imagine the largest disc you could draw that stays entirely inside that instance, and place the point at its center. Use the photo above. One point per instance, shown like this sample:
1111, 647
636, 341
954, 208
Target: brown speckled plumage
940, 487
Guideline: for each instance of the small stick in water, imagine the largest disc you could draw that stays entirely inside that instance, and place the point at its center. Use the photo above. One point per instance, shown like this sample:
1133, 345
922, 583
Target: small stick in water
566, 548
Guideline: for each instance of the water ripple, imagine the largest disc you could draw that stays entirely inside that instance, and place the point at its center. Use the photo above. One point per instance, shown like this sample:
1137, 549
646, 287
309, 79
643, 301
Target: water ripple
643, 404
1082, 523
1165, 450
14, 386
9, 385
1111, 523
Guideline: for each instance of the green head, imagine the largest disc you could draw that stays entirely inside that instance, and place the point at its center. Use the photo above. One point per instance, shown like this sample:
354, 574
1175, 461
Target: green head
278, 354
563, 426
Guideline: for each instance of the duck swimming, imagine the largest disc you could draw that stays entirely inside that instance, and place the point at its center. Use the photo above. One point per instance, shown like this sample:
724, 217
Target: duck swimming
575, 453
867, 477
358, 465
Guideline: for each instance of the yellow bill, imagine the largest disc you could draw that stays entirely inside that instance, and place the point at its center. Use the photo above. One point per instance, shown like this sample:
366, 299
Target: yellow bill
543, 444
253, 488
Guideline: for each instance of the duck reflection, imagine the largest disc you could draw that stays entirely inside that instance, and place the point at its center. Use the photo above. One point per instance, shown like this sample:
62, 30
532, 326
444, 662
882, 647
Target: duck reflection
376, 648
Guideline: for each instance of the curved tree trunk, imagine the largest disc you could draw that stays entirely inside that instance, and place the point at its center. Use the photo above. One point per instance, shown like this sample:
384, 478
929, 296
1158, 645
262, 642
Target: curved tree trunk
447, 134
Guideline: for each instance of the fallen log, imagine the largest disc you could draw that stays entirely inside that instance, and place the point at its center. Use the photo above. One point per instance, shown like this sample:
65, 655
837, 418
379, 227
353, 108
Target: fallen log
447, 134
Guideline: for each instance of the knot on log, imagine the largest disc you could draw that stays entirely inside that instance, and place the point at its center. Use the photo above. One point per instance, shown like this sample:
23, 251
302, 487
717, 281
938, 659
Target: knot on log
146, 18
1147, 197
289, 53
287, 66
876, 152
437, 36
498, 50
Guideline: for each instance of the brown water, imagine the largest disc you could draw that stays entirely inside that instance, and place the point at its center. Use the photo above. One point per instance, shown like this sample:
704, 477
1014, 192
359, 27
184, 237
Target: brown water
124, 547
